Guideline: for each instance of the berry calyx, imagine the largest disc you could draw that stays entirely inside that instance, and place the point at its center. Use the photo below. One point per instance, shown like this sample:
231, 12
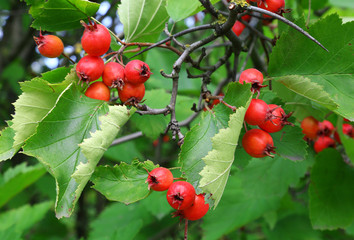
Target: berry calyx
323, 142
96, 39
256, 112
89, 68
113, 75
277, 120
131, 94
98, 90
49, 45
238, 28
180, 195
325, 128
198, 209
309, 126
159, 179
254, 77
258, 143
137, 72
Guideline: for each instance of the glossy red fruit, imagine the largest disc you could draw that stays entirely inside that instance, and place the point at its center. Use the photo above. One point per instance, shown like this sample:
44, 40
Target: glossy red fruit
49, 45
98, 90
254, 77
325, 128
197, 210
96, 39
89, 68
323, 142
238, 28
133, 93
347, 130
180, 195
256, 112
277, 120
113, 75
159, 179
258, 143
309, 126
137, 72
275, 6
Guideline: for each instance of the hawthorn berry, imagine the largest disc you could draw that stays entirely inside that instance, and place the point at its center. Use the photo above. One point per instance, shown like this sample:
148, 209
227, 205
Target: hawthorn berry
113, 75
198, 209
98, 90
137, 72
89, 68
96, 39
275, 6
256, 112
325, 128
347, 130
238, 28
131, 93
159, 179
49, 45
258, 143
323, 142
309, 126
278, 119
180, 195
254, 77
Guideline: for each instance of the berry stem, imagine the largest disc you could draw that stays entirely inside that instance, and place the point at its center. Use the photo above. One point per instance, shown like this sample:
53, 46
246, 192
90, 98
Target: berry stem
186, 229
67, 57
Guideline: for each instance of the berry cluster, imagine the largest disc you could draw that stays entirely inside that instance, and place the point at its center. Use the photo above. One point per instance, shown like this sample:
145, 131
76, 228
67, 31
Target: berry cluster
323, 133
96, 40
269, 118
180, 195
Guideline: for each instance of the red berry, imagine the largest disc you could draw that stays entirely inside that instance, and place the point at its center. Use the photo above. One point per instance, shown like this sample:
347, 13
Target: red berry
49, 45
325, 128
197, 210
131, 94
275, 6
258, 143
238, 27
160, 179
323, 142
89, 68
246, 18
309, 126
277, 120
98, 90
347, 130
253, 76
137, 72
180, 195
256, 112
96, 39
113, 75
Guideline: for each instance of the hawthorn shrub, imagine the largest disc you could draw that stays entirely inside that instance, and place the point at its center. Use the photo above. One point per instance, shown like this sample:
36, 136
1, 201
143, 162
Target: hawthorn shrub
155, 84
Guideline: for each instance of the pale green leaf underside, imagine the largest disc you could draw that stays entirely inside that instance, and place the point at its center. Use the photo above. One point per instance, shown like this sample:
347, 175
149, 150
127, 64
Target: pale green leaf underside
219, 161
7, 150
143, 20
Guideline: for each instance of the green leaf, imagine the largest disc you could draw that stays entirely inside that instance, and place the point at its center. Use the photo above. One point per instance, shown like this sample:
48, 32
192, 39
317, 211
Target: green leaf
6, 143
116, 183
23, 218
124, 152
143, 20
219, 161
296, 60
251, 192
18, 178
119, 221
289, 143
37, 100
58, 15
56, 142
331, 199
57, 75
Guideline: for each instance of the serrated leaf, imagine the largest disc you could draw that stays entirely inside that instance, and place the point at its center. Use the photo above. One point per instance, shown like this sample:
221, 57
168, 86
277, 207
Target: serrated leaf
57, 75
7, 150
18, 178
219, 161
116, 183
49, 15
37, 100
331, 199
294, 54
56, 142
143, 20
251, 192
289, 143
